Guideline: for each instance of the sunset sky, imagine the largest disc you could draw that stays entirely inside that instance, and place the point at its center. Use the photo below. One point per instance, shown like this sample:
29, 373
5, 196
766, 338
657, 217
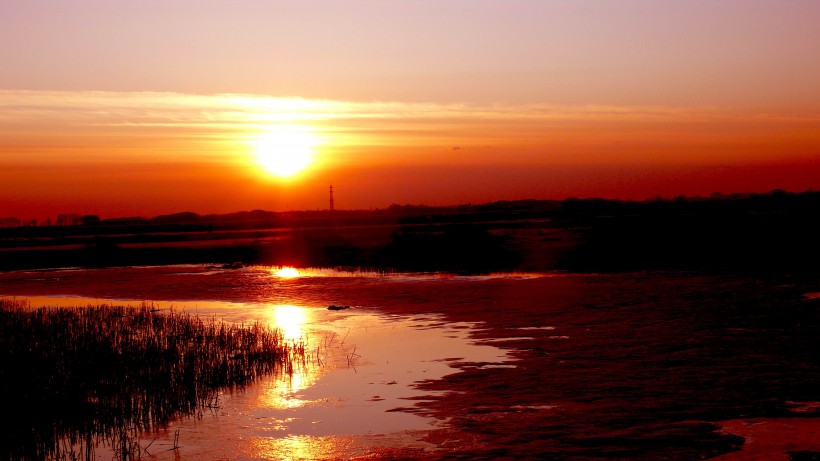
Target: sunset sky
123, 108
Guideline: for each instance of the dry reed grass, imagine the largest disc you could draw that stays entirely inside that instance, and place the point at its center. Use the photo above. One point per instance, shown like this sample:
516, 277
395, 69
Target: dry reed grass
75, 378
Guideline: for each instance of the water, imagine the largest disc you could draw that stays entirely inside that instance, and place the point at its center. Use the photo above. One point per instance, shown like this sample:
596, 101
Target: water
511, 365
364, 361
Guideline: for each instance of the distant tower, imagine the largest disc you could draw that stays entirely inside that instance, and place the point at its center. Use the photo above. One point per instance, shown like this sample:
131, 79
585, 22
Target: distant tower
331, 198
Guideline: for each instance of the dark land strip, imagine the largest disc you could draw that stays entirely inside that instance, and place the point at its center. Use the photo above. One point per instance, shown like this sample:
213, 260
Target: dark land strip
772, 232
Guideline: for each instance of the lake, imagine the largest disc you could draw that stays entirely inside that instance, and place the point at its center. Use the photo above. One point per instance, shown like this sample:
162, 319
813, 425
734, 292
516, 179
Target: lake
498, 365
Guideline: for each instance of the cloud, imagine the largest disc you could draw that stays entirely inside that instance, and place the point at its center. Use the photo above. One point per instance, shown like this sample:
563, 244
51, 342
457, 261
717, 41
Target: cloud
163, 122
229, 110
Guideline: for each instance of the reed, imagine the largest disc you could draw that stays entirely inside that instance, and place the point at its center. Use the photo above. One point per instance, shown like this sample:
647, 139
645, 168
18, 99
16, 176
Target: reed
77, 378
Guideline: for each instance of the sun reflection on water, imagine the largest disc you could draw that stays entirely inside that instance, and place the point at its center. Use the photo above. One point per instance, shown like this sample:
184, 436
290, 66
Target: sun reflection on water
301, 447
286, 272
282, 393
291, 321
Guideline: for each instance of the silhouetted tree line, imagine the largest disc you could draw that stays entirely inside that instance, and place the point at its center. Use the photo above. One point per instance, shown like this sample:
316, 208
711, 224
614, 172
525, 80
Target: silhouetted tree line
772, 202
757, 232
776, 231
467, 249
10, 222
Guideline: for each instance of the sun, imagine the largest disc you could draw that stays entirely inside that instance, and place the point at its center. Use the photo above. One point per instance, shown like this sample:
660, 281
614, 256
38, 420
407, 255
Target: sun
286, 150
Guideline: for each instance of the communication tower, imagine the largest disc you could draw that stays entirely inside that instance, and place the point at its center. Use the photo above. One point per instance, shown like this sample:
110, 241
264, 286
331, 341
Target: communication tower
331, 198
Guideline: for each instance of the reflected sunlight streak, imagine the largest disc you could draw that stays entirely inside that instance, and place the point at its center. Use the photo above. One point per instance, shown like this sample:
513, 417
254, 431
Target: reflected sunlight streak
287, 272
290, 320
302, 447
282, 394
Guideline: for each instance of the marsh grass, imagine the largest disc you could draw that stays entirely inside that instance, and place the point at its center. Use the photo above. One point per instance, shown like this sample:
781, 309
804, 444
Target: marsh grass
73, 379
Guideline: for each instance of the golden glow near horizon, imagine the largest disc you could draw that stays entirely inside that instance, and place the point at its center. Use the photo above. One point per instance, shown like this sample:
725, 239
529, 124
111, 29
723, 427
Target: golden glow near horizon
150, 153
286, 150
114, 109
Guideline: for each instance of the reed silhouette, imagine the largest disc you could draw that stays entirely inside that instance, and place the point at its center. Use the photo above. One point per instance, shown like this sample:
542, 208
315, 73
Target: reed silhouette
77, 378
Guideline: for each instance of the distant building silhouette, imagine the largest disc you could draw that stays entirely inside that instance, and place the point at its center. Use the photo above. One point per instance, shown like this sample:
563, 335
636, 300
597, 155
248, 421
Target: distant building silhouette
332, 204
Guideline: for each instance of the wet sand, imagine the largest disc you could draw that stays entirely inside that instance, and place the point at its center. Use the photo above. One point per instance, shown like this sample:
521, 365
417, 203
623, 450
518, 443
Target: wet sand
621, 366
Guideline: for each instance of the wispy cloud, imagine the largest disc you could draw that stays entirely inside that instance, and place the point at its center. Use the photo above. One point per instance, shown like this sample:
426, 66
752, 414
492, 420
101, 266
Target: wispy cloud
163, 122
228, 110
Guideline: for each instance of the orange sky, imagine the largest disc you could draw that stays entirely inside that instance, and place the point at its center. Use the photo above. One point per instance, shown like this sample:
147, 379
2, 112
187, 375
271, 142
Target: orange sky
124, 110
